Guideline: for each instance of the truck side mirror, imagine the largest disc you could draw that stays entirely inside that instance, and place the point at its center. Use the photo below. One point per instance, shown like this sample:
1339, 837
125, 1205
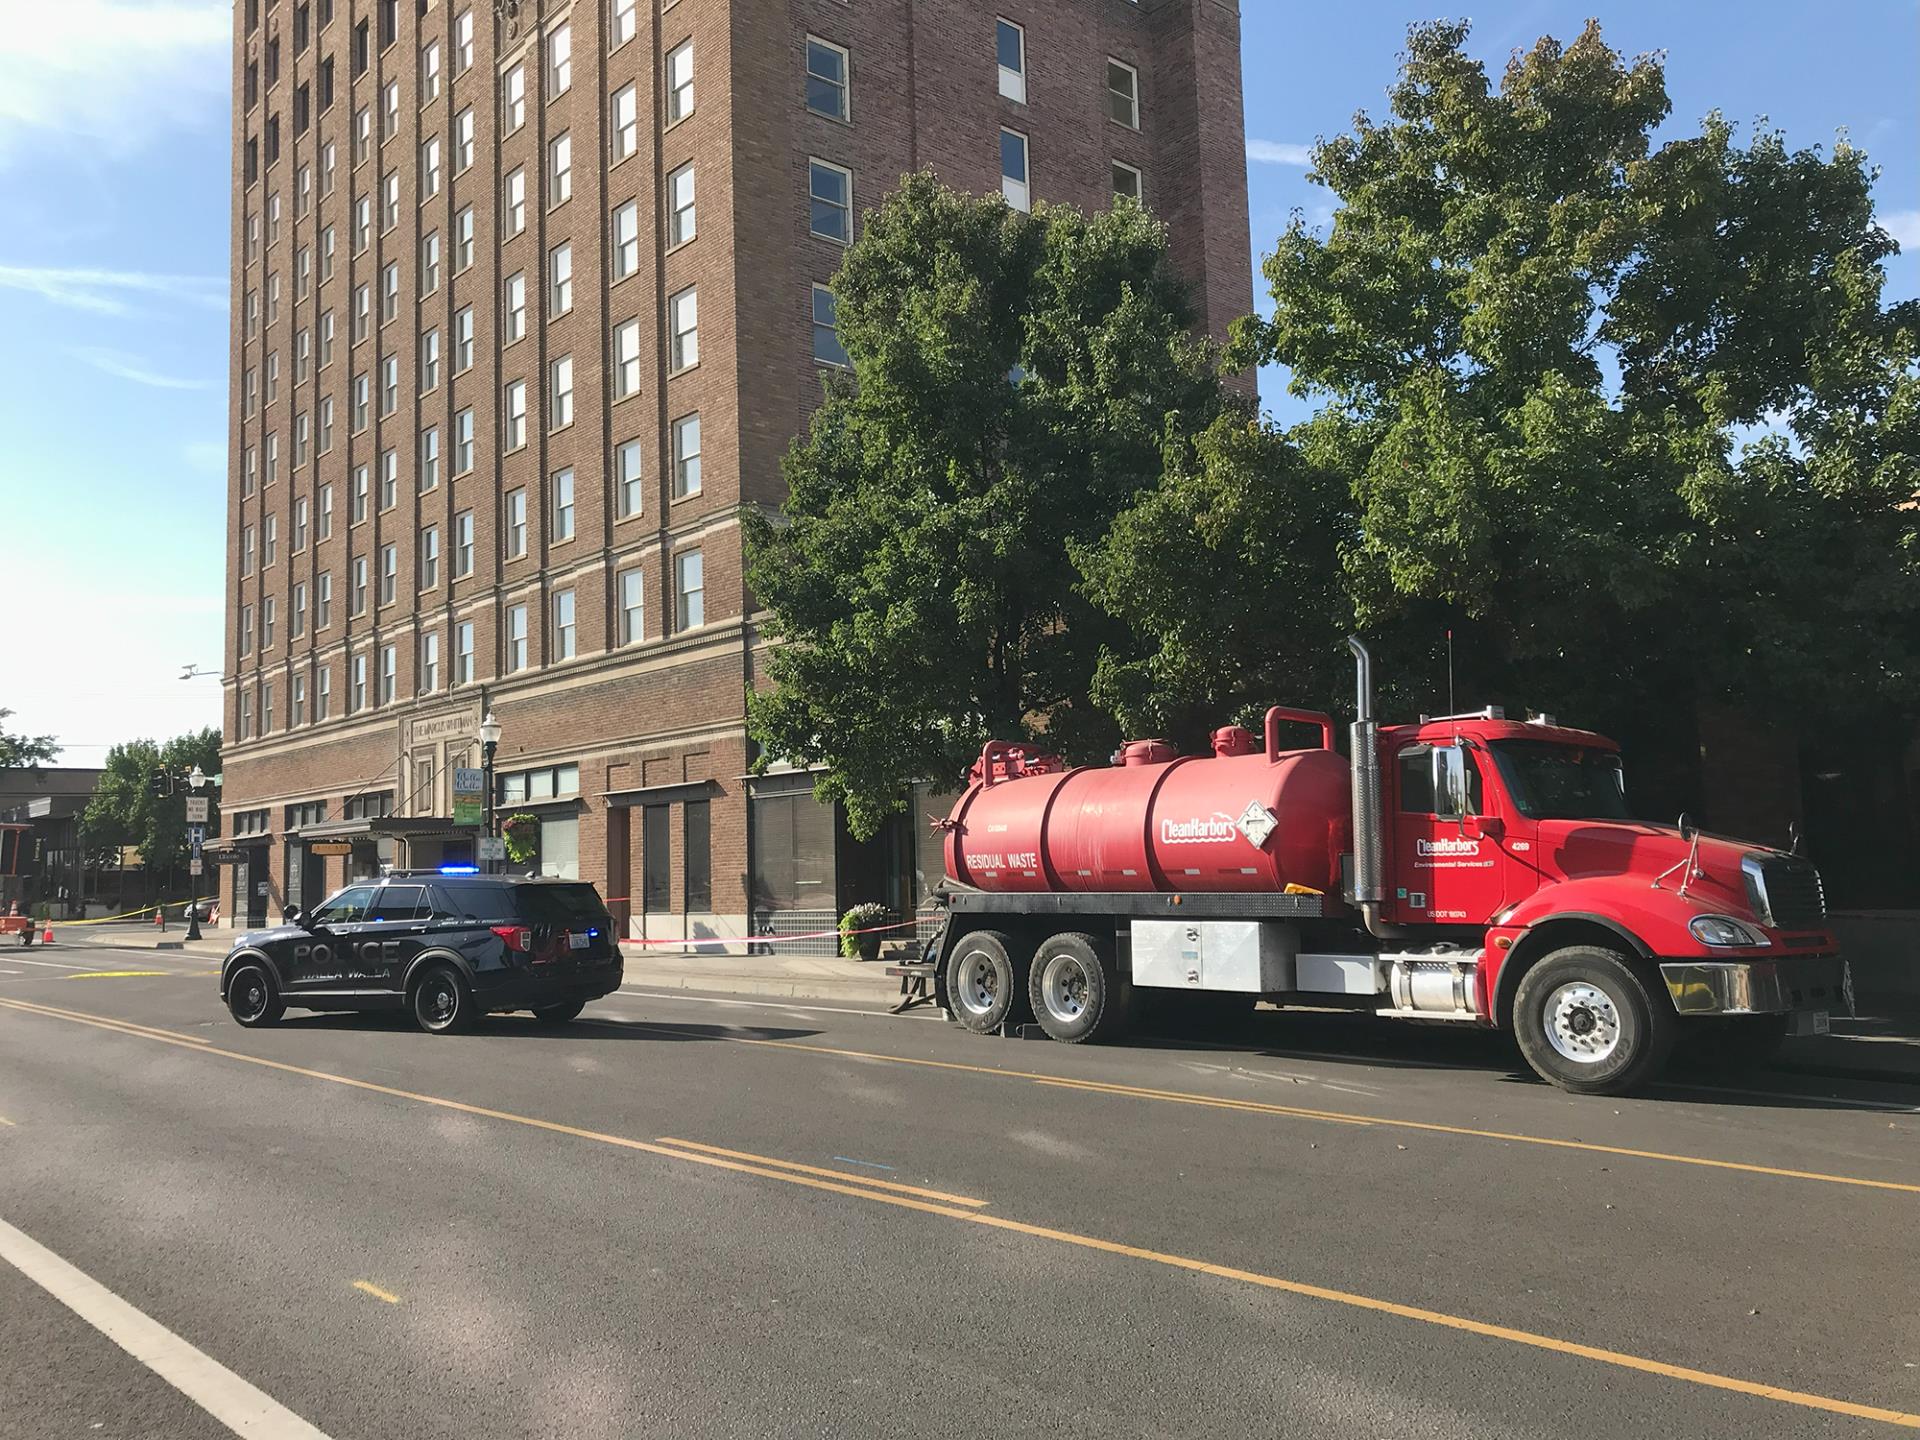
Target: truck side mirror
1449, 782
1484, 827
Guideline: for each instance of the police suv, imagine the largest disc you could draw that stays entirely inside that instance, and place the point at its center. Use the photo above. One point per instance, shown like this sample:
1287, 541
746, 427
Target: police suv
448, 945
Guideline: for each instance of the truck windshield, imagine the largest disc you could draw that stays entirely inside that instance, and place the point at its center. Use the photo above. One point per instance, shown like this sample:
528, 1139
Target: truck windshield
1550, 781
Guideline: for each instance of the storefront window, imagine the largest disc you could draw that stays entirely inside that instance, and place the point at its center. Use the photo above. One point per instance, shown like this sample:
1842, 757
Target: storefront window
791, 864
560, 848
697, 855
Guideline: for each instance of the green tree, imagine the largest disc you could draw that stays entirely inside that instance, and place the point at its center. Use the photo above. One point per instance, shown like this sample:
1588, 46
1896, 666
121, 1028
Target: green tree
124, 810
1634, 420
1015, 379
24, 752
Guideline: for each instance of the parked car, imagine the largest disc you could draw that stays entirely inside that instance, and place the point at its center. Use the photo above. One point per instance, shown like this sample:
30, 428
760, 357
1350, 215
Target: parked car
446, 945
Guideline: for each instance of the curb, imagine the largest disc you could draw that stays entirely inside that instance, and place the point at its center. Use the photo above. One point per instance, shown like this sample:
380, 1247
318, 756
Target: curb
809, 989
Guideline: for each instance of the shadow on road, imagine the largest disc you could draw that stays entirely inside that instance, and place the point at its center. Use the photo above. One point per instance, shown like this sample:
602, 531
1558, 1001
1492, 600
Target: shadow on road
520, 1026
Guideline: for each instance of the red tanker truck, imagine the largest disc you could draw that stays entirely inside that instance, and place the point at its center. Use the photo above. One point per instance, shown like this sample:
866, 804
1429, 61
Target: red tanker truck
1467, 868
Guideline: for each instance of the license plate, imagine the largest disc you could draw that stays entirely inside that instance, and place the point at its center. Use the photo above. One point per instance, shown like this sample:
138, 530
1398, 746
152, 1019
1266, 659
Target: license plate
581, 942
1812, 1022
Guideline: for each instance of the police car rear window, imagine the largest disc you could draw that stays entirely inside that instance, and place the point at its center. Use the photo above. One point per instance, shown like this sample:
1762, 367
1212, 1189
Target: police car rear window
559, 904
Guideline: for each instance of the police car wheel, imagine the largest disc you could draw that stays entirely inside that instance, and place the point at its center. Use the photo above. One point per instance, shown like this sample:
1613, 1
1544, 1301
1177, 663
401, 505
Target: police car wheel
442, 1002
252, 999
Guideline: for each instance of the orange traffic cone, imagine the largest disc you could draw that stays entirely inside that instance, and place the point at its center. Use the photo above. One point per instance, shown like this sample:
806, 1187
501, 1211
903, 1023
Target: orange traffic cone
47, 939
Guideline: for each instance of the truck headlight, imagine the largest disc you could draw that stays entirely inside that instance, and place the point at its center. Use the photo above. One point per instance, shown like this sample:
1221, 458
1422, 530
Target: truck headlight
1724, 930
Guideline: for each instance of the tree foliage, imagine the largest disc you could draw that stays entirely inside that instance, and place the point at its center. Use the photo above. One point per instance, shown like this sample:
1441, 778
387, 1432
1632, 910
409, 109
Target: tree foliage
125, 811
1015, 378
24, 752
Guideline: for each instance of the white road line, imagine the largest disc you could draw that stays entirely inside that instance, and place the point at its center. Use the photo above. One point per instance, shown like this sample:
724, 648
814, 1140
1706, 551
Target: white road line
50, 964
202, 1379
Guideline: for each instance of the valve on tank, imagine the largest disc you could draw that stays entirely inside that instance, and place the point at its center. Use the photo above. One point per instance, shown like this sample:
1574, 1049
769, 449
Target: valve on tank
1234, 740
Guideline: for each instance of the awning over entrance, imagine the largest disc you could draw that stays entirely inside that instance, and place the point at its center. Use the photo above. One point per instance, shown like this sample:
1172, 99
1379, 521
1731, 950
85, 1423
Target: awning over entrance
661, 794
398, 827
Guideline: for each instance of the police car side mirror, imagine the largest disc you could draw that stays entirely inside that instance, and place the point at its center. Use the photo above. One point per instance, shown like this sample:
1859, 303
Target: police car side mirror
294, 915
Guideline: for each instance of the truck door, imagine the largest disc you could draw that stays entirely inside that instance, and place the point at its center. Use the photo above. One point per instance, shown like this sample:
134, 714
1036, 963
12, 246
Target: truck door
1451, 860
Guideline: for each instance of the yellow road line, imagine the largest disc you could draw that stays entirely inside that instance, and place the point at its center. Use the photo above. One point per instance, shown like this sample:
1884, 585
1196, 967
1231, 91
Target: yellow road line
376, 1292
131, 1027
1337, 1117
117, 974
817, 1170
6, 1122
1531, 1339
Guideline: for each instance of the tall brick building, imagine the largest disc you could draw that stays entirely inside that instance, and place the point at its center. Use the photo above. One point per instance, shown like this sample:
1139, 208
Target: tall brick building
529, 297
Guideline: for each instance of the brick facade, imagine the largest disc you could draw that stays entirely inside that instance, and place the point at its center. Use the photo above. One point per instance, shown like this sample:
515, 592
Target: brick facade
666, 709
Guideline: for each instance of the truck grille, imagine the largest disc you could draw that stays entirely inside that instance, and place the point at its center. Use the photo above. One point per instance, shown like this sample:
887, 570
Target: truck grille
1789, 894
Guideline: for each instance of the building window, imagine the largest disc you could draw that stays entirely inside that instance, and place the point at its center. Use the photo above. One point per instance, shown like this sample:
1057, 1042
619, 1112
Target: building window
1123, 93
626, 359
463, 441
323, 602
463, 339
1011, 41
357, 700
696, 855
626, 122
686, 456
516, 638
273, 459
297, 611
626, 474
300, 525
266, 708
266, 622
429, 458
560, 394
430, 557
831, 188
389, 674
681, 225
390, 201
463, 42
326, 424
1013, 169
429, 677
389, 478
463, 239
389, 110
297, 700
560, 169
362, 224
827, 349
626, 240
390, 385
560, 280
516, 417
680, 82
827, 79
633, 614
326, 511
389, 573
463, 653
625, 22
656, 895
562, 505
563, 626
559, 60
246, 629
516, 534
270, 540
430, 72
463, 544
463, 141
517, 201
690, 590
361, 493
1126, 181
362, 312
390, 291
516, 306
430, 168
249, 470
246, 715
323, 693
513, 99
430, 263
683, 326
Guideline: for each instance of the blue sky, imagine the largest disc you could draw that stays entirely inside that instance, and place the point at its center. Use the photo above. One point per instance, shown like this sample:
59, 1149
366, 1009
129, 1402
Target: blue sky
113, 262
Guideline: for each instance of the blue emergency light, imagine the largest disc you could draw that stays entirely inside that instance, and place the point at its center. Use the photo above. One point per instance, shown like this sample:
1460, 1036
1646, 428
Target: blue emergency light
459, 869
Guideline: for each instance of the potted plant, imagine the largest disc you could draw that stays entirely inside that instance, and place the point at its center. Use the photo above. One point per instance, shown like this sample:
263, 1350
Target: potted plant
866, 916
522, 834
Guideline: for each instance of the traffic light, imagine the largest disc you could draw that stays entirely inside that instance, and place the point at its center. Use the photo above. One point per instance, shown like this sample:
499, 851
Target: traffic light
162, 783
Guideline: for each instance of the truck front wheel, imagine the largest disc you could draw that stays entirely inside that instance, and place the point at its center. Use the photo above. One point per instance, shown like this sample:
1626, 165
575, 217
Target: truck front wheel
1587, 1022
985, 987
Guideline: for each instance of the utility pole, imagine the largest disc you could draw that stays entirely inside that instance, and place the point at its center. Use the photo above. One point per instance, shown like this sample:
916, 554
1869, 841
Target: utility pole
196, 838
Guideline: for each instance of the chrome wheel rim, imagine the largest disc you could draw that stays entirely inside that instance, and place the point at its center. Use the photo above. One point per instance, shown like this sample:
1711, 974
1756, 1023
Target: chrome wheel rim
976, 986
250, 999
1063, 987
1583, 1023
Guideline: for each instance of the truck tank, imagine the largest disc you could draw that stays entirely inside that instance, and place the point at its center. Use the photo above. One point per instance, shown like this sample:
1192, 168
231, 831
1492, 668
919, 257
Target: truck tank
1245, 818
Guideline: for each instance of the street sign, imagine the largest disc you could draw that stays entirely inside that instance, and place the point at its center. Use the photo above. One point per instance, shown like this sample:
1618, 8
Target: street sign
469, 795
490, 847
194, 867
330, 847
197, 809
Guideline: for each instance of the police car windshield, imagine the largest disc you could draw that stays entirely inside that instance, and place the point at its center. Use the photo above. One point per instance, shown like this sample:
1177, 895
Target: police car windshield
1551, 781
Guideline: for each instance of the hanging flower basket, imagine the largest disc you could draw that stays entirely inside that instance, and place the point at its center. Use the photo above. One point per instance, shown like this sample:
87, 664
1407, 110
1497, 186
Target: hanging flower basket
522, 834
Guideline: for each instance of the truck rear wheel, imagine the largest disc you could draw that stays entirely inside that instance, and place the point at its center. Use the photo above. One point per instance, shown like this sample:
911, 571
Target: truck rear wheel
986, 987
1076, 991
1588, 1022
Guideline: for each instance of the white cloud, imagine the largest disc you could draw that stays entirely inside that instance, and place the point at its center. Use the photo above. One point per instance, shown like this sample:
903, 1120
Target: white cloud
1903, 226
1279, 152
104, 291
116, 74
132, 367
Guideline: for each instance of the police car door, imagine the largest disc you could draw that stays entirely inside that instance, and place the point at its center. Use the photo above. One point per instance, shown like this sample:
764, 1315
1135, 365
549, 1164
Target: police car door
321, 958
395, 933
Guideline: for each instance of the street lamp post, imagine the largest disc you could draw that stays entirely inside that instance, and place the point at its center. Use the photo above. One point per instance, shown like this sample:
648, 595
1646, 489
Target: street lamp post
198, 780
489, 747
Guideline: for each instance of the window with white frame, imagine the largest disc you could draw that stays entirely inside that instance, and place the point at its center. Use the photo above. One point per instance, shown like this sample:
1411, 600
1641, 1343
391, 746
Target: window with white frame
428, 676
362, 223
562, 505
560, 394
626, 359
359, 699
273, 377
463, 339
302, 356
681, 223
389, 573
429, 458
389, 674
463, 447
1126, 181
297, 700
430, 262
686, 456
249, 470
362, 493
626, 478
267, 607
323, 601
324, 529
389, 478
560, 280
246, 551
362, 134
463, 544
516, 415
326, 254
559, 60
831, 189
560, 169
683, 328
516, 306
463, 141
680, 82
297, 611
463, 42
357, 586
429, 557
1013, 170
827, 349
430, 167
1011, 43
625, 22
326, 423
690, 594
269, 540
827, 76
390, 110
326, 340
463, 653
246, 714
626, 122
626, 240
273, 458
1123, 93
303, 272
563, 626
513, 99
323, 692
430, 72
362, 312
389, 291
516, 206
516, 638
516, 529
266, 707
390, 201
463, 239
633, 607
300, 512
246, 629
389, 384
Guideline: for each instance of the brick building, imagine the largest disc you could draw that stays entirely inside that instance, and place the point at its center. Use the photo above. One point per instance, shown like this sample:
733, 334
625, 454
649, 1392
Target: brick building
529, 297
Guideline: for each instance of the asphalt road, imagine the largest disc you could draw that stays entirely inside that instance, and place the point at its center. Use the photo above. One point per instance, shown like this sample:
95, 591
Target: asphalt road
690, 1216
